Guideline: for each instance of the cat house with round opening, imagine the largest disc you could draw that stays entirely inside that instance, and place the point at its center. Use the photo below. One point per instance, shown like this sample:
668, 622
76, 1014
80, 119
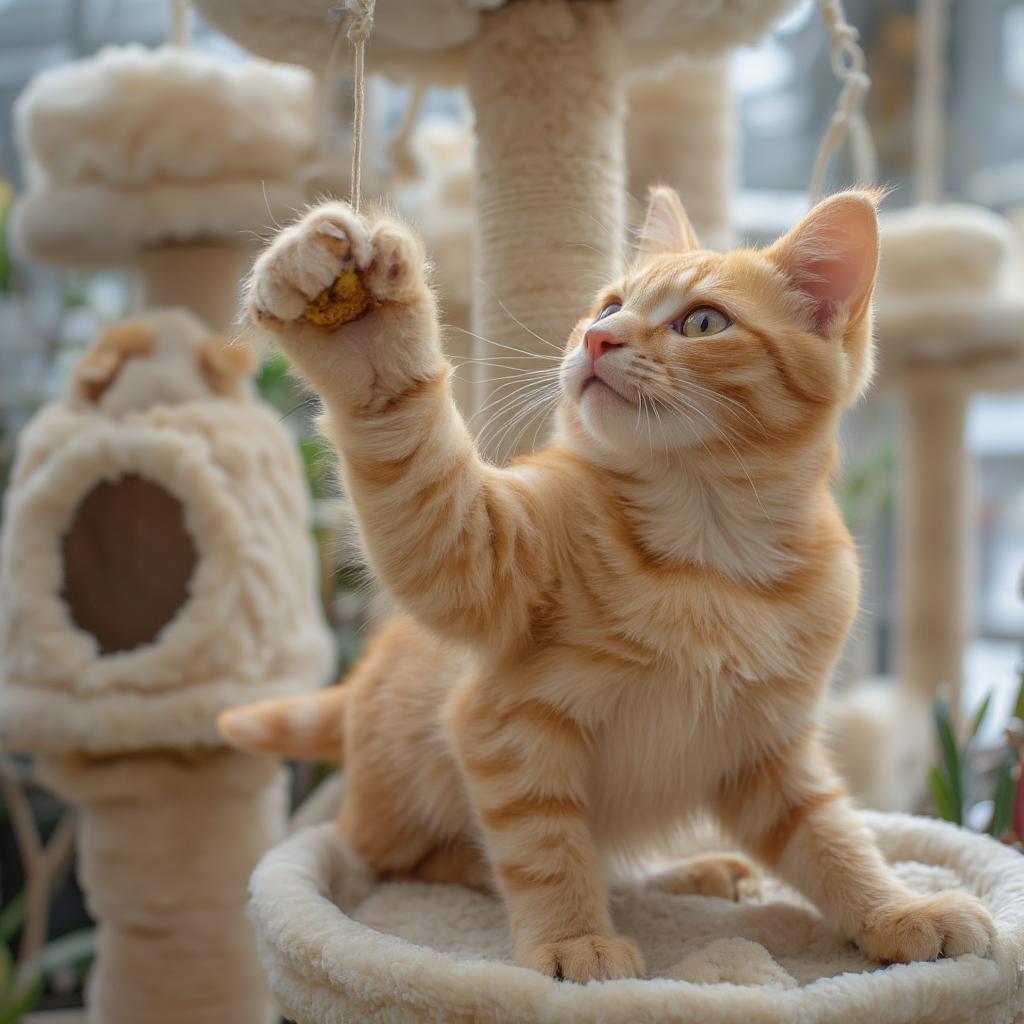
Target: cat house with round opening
157, 563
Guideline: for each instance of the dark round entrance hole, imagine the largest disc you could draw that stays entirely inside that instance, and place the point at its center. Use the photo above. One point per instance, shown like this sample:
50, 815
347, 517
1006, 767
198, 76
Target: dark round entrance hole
128, 560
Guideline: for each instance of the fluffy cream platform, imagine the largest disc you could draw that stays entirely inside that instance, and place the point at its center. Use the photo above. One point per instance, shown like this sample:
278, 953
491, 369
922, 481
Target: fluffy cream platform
337, 947
135, 147
169, 161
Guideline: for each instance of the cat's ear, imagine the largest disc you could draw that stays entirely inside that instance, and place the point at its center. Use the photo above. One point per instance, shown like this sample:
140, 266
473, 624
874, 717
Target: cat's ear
104, 359
831, 256
224, 366
666, 226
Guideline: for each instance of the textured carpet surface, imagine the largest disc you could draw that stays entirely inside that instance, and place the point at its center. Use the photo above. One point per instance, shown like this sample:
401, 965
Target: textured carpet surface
338, 947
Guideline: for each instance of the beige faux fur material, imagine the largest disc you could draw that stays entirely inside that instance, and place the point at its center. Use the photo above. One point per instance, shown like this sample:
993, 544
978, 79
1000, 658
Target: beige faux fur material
339, 948
252, 624
414, 32
135, 147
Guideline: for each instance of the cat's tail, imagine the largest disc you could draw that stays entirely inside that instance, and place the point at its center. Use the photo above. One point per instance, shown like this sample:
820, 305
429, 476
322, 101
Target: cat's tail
310, 727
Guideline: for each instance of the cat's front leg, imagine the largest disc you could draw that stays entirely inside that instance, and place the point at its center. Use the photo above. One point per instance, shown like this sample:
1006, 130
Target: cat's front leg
525, 763
385, 342
793, 814
459, 543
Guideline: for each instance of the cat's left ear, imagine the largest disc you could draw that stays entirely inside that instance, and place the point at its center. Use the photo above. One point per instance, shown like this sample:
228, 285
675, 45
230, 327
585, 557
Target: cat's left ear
225, 367
832, 256
666, 226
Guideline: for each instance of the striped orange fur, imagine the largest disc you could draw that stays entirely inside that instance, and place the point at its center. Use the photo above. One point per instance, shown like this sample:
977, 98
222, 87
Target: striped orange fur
632, 626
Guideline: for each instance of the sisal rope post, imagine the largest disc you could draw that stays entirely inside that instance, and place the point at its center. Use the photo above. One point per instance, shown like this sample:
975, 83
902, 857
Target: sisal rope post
544, 78
667, 110
848, 65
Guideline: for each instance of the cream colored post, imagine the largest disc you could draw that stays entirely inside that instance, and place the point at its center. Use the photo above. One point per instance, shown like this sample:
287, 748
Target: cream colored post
204, 277
680, 132
166, 843
932, 539
544, 78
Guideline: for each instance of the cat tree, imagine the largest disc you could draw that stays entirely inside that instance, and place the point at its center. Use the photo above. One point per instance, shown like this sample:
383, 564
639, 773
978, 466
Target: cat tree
155, 568
546, 81
169, 162
950, 324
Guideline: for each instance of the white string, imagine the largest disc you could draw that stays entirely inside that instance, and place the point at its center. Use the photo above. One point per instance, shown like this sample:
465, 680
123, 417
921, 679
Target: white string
360, 24
848, 65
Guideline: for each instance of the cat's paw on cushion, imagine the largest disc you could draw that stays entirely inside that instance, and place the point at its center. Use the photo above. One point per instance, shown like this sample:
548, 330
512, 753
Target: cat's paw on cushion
924, 928
586, 958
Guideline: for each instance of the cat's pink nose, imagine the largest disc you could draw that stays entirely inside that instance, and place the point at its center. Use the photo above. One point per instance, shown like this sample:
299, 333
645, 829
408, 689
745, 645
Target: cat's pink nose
598, 341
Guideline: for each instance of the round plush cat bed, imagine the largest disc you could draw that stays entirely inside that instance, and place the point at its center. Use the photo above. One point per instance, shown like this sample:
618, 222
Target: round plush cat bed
337, 946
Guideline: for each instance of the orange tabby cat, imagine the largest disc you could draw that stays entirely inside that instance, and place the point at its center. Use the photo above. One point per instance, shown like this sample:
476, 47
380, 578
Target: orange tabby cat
631, 627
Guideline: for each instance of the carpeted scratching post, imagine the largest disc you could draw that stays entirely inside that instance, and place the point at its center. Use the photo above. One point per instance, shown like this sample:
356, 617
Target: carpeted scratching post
155, 568
679, 131
169, 162
545, 80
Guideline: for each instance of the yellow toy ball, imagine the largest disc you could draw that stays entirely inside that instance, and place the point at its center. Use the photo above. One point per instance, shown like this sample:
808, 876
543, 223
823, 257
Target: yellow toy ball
344, 301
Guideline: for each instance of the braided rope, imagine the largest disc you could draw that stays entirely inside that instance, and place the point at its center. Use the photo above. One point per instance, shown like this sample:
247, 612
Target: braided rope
360, 24
848, 65
359, 16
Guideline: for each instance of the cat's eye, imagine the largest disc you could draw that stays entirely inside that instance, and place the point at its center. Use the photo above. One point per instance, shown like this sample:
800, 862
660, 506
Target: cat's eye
612, 307
702, 323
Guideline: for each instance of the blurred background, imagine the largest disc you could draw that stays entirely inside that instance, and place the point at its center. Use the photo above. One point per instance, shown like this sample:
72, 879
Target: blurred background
783, 93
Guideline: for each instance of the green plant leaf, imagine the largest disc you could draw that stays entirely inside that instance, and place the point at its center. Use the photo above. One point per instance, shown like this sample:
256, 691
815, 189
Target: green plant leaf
6, 975
20, 1004
941, 794
1018, 705
68, 949
12, 916
951, 757
1002, 801
979, 716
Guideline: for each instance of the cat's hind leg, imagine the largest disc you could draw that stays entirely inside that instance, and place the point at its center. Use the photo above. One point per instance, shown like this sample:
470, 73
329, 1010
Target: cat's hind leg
728, 876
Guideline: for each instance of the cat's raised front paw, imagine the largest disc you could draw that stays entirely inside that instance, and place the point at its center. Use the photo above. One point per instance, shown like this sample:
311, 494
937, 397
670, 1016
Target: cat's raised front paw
332, 267
585, 958
927, 927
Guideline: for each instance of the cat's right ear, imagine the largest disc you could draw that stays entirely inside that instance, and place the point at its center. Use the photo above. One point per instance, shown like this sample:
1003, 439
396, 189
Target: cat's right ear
666, 226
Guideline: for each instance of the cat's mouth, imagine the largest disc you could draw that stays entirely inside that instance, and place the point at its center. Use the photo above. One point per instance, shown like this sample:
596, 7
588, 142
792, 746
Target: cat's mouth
599, 384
